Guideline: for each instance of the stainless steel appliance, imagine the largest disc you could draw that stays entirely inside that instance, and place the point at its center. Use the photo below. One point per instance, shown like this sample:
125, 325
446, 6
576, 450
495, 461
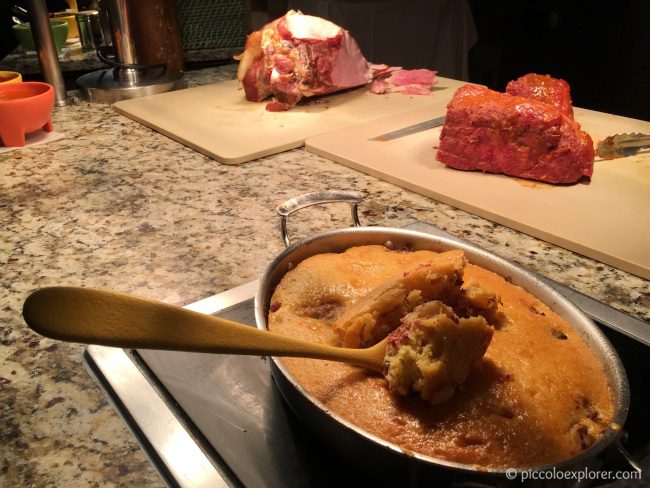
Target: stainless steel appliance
145, 54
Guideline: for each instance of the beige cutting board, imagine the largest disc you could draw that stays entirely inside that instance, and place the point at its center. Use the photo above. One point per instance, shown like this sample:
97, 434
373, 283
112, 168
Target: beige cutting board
607, 219
219, 122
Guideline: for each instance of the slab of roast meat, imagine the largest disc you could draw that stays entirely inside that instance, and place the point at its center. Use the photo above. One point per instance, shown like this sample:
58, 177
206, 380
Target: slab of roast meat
299, 56
406, 81
500, 133
544, 88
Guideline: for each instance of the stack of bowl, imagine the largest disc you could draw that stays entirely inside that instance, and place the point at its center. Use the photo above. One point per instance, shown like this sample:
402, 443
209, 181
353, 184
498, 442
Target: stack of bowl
59, 28
7, 77
70, 19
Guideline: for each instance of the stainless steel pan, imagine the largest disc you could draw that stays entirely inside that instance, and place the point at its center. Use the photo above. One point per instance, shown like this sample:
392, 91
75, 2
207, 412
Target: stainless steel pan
378, 453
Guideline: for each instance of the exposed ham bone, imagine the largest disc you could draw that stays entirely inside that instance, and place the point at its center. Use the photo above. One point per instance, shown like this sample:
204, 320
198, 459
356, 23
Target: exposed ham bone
299, 56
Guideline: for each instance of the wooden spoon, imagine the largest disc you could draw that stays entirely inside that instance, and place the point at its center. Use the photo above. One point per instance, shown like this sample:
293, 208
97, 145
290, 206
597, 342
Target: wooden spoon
94, 316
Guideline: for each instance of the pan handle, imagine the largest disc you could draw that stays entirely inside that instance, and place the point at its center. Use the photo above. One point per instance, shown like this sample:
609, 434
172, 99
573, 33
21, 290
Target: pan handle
317, 198
628, 461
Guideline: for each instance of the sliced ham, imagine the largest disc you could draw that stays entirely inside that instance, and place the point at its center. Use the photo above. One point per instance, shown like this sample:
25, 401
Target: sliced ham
299, 56
383, 70
407, 81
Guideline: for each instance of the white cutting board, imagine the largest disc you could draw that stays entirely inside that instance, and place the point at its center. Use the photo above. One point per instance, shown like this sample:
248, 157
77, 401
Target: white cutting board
607, 219
219, 122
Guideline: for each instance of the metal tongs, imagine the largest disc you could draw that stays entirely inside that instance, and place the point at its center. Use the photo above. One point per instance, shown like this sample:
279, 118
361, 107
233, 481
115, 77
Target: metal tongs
622, 145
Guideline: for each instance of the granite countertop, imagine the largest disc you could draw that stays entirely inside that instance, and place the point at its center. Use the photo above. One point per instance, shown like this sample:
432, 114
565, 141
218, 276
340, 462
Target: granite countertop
115, 205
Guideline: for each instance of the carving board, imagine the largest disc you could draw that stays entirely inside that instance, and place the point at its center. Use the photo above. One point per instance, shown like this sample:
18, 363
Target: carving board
607, 219
219, 122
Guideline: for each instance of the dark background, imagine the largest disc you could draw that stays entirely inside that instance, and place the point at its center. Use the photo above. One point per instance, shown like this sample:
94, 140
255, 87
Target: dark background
600, 47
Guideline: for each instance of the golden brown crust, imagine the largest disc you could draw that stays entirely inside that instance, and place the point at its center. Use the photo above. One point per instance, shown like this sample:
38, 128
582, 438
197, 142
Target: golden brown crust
252, 50
371, 318
539, 394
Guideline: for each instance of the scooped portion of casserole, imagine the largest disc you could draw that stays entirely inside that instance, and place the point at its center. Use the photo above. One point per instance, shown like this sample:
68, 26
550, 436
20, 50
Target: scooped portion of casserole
433, 351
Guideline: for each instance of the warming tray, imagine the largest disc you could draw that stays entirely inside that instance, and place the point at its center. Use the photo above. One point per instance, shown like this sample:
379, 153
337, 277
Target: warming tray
218, 420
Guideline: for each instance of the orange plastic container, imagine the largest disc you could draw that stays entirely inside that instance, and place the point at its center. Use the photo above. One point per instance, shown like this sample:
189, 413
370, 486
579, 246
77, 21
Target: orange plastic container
24, 108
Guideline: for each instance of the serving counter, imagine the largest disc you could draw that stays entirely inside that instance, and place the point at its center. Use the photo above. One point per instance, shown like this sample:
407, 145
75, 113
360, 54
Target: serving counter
118, 206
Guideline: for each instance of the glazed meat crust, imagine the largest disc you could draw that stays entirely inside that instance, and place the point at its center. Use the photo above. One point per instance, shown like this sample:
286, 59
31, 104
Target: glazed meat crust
543, 88
499, 133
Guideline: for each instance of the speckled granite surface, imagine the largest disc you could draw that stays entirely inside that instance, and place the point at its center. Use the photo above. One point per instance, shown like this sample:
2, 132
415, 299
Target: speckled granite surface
118, 206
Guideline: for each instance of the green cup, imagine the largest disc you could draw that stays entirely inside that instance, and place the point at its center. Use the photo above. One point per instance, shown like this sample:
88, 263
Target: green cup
59, 28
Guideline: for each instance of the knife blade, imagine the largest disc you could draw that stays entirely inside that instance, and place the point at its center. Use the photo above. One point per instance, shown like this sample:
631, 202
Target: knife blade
411, 129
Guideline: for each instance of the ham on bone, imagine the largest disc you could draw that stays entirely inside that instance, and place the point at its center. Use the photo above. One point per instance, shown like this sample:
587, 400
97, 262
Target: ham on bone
299, 56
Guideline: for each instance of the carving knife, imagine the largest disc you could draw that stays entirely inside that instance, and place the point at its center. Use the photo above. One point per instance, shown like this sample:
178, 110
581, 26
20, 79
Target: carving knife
411, 129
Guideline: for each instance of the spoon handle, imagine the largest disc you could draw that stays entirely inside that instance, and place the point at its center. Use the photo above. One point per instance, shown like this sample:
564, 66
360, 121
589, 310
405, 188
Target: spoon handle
114, 319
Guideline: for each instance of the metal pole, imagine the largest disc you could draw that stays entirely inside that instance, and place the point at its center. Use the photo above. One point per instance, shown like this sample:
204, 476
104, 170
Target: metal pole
123, 40
44, 41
